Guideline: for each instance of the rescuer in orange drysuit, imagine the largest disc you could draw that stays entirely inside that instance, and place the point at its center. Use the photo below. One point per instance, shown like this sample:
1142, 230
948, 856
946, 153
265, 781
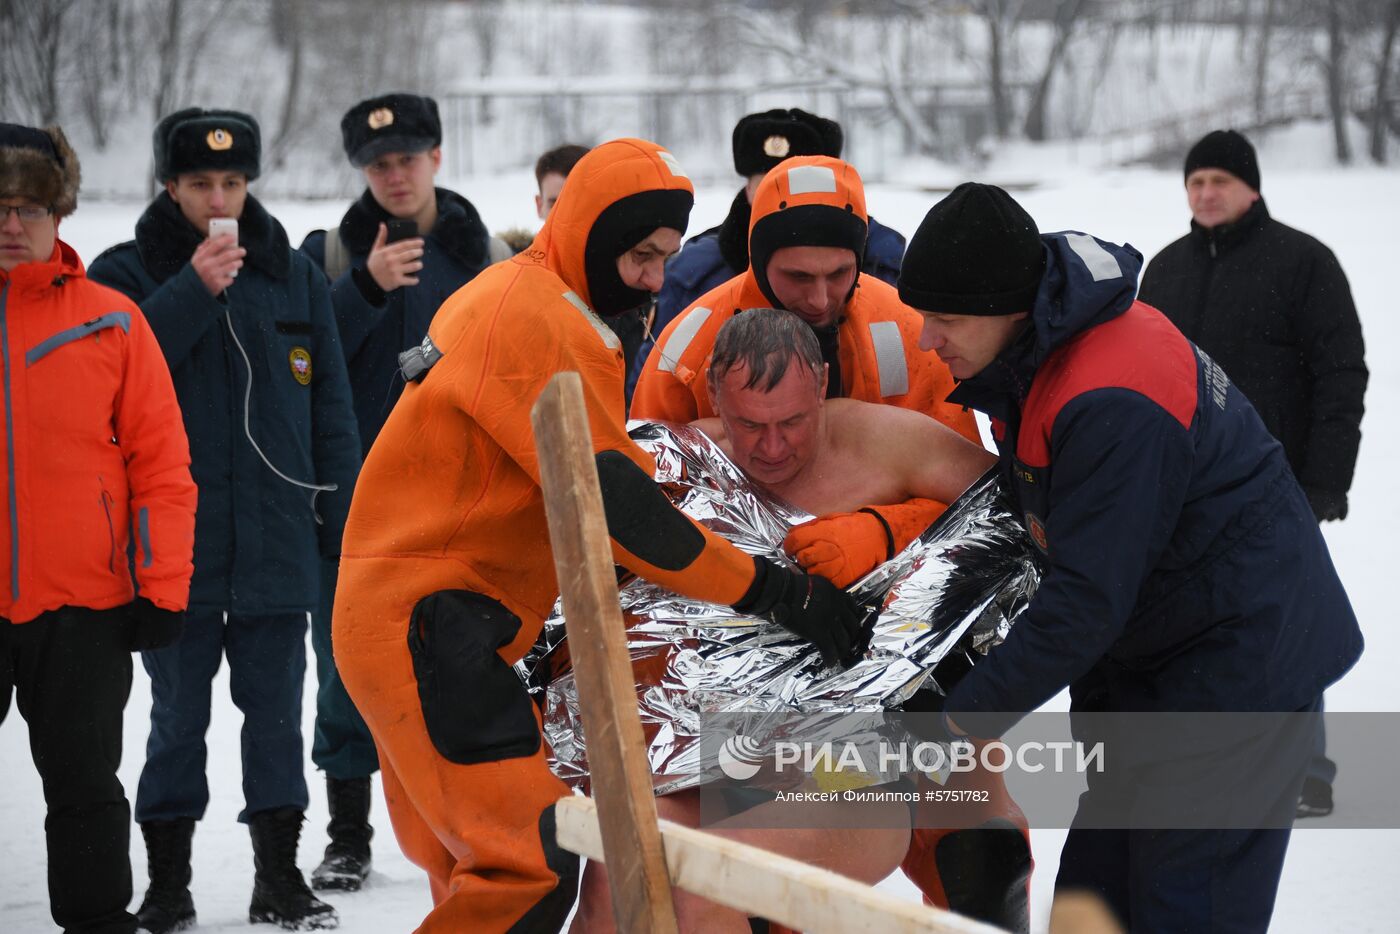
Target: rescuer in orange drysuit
446, 572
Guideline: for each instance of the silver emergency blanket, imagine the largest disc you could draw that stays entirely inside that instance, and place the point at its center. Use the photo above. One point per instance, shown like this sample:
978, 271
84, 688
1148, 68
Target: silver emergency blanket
956, 589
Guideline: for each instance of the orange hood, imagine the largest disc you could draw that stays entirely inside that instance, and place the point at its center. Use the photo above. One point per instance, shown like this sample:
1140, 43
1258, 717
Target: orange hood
619, 187
806, 201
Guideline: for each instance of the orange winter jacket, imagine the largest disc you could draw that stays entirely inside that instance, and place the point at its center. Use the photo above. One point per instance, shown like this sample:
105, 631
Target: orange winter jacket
93, 451
878, 334
449, 495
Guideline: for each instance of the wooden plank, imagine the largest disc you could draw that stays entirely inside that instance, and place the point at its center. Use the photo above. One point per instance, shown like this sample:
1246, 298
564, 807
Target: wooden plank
578, 531
767, 885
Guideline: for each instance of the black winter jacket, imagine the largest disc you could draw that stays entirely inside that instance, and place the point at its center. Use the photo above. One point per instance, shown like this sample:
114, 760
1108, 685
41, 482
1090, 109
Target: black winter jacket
1272, 306
376, 327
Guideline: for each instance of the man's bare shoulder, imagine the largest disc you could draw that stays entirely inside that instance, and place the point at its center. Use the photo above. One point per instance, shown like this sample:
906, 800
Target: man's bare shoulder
854, 420
713, 429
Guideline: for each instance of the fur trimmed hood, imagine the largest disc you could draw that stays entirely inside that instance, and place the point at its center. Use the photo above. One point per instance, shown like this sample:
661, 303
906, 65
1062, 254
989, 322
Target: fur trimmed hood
39, 165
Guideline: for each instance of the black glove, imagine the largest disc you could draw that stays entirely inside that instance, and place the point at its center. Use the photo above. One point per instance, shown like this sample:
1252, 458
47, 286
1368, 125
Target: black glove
152, 627
931, 722
808, 606
1327, 505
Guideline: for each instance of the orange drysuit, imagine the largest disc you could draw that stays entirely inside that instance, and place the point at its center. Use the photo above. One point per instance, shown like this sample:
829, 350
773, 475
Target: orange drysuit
446, 573
94, 449
879, 335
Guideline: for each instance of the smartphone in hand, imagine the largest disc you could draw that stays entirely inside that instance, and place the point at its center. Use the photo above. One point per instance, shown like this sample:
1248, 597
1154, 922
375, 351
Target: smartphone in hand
400, 229
223, 227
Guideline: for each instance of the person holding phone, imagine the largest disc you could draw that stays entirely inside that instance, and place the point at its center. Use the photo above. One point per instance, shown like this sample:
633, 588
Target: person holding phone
246, 326
401, 249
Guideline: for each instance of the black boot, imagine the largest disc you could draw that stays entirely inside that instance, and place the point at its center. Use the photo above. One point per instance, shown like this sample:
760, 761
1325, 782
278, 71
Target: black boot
280, 895
167, 905
347, 862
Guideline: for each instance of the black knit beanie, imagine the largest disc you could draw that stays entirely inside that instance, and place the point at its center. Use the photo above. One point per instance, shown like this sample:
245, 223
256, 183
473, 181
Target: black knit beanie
804, 225
621, 226
1228, 150
977, 252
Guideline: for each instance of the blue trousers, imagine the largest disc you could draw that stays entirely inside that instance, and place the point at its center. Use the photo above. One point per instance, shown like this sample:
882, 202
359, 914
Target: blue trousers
267, 664
342, 747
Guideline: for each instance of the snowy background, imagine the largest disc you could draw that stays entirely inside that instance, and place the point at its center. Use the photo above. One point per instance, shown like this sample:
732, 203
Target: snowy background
1334, 880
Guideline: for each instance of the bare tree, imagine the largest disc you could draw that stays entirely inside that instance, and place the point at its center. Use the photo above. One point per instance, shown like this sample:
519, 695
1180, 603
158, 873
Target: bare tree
32, 60
1066, 15
1001, 17
288, 30
1261, 60
1380, 110
1336, 79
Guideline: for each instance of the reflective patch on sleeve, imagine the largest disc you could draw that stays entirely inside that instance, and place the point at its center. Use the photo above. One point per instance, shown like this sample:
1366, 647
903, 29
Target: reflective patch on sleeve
143, 531
889, 358
671, 163
1096, 259
112, 319
808, 179
610, 340
679, 341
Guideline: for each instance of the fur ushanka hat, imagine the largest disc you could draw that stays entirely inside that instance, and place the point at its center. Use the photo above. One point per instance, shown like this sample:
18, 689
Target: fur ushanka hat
40, 166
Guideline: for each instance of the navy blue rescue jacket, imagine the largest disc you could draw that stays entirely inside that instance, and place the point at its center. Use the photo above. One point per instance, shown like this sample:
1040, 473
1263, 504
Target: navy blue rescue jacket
375, 327
257, 536
713, 257
1185, 570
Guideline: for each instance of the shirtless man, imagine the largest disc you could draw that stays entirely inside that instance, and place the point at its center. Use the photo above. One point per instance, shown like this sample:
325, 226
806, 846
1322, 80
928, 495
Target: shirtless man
767, 382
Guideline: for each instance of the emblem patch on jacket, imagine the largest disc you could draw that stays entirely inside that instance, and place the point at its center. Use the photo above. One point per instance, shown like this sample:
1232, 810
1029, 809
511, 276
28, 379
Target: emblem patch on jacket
1037, 530
300, 361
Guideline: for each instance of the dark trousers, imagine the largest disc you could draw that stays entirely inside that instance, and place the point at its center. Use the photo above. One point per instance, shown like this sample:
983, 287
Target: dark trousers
1320, 767
267, 664
1189, 881
342, 746
71, 674
1194, 880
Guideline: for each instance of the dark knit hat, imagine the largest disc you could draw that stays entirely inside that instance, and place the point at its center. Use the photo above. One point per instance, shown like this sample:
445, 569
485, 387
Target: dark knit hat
622, 225
390, 123
820, 201
763, 140
977, 252
39, 166
1228, 150
197, 140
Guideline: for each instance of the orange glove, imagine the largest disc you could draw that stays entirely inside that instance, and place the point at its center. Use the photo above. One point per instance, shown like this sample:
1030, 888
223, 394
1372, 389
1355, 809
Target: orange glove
844, 547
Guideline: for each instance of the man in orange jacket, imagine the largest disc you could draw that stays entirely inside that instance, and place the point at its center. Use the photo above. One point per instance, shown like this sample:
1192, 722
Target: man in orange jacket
95, 456
447, 573
806, 239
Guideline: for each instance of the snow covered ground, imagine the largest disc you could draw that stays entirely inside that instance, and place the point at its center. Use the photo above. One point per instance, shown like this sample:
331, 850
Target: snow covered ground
1334, 880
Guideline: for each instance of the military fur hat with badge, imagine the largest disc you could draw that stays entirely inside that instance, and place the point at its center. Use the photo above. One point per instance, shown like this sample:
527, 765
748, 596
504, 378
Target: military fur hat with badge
198, 140
390, 123
762, 140
39, 166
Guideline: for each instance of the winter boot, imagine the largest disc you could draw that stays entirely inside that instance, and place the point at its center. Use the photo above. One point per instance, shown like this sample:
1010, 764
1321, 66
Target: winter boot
347, 862
280, 895
1316, 798
167, 906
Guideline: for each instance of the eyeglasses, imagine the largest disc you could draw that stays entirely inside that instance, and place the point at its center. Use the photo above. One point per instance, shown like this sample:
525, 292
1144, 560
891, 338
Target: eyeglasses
28, 213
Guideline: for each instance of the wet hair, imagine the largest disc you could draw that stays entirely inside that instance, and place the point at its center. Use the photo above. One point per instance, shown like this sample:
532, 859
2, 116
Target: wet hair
561, 159
765, 341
